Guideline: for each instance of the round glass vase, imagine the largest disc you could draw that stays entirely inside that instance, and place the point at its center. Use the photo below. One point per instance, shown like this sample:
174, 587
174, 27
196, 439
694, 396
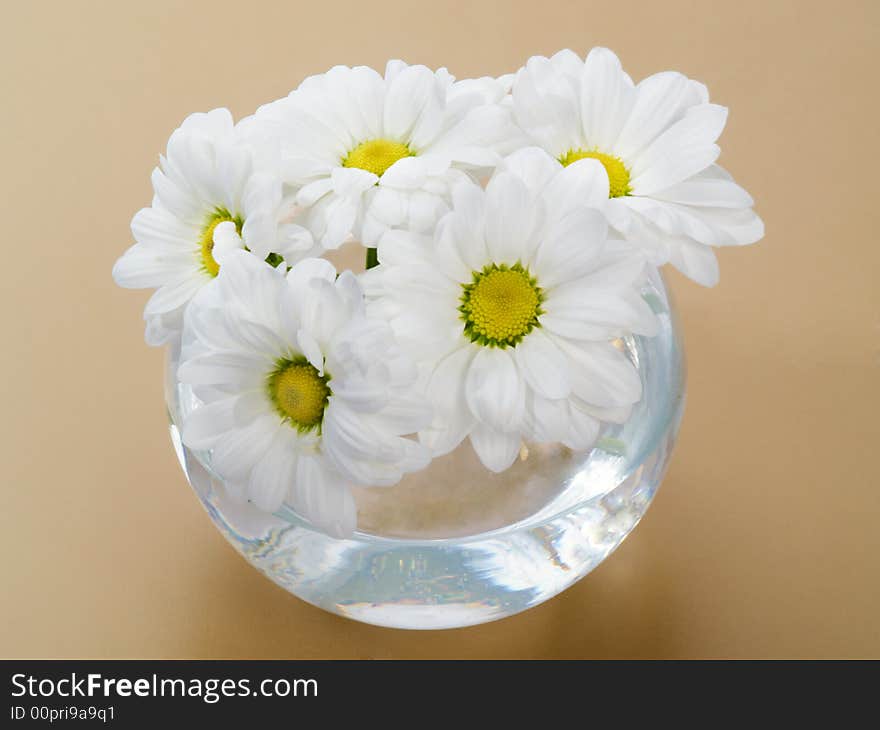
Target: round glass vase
456, 545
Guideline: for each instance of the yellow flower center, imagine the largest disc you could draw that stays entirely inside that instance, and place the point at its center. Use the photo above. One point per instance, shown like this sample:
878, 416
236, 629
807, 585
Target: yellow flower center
501, 305
377, 155
618, 175
206, 241
299, 393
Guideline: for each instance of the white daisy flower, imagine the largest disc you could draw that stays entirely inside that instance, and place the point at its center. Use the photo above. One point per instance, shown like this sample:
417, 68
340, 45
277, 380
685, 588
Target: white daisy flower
302, 394
657, 142
511, 309
209, 200
367, 152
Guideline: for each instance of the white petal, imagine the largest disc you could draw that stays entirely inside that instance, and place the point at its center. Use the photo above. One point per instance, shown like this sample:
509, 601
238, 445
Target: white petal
240, 449
323, 498
567, 63
252, 284
299, 170
446, 392
695, 260
174, 294
708, 189
533, 166
314, 191
144, 267
345, 441
448, 254
223, 368
400, 247
543, 365
496, 449
609, 414
494, 389
511, 217
215, 123
546, 420
163, 329
619, 310
206, 424
366, 96
571, 247
607, 97
405, 415
661, 100
735, 226
181, 202
546, 107
351, 182
683, 150
303, 272
259, 234
407, 173
252, 405
311, 349
325, 313
602, 375
388, 205
420, 279
427, 331
583, 430
478, 139
617, 270
158, 227
332, 220
425, 209
293, 242
582, 183
578, 327
226, 239
408, 94
272, 477
465, 225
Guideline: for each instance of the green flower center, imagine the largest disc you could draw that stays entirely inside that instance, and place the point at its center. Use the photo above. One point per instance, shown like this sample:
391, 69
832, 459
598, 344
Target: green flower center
618, 175
501, 305
299, 393
377, 155
206, 240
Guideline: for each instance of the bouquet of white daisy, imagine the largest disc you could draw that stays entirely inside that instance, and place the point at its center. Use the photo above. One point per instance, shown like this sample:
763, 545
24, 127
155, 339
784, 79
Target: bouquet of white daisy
508, 225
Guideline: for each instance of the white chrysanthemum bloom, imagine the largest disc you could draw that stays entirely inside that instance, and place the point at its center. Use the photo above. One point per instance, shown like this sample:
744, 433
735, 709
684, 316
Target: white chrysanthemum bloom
657, 142
511, 308
209, 200
302, 394
367, 152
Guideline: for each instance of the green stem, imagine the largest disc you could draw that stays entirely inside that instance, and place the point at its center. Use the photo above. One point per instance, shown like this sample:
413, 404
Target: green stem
372, 258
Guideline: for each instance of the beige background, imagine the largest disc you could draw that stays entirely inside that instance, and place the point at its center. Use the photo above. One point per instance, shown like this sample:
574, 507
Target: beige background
763, 541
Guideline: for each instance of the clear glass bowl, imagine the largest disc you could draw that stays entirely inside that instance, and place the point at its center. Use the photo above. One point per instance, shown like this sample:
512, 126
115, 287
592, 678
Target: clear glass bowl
456, 545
